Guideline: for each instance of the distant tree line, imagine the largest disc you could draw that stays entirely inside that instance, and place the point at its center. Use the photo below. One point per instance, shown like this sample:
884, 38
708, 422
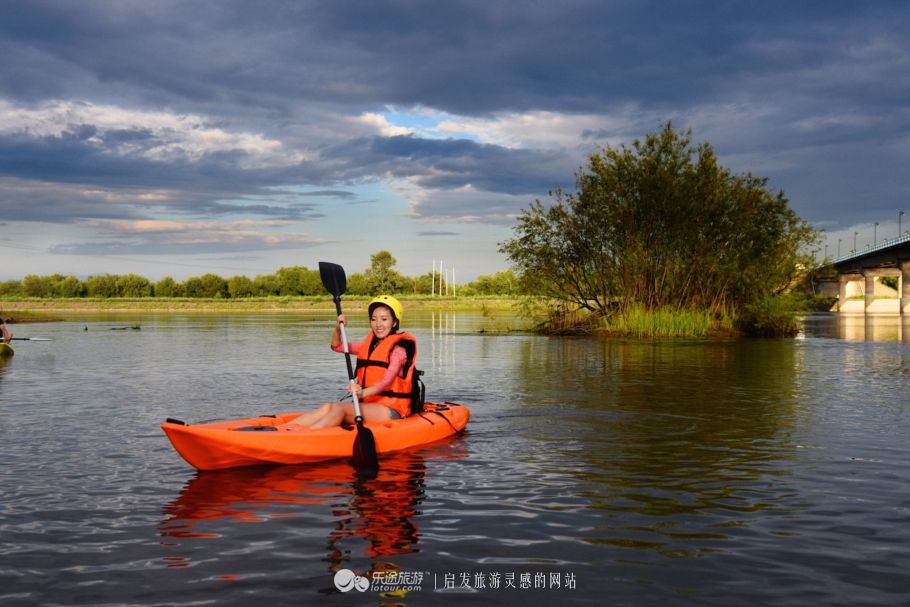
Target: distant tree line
381, 277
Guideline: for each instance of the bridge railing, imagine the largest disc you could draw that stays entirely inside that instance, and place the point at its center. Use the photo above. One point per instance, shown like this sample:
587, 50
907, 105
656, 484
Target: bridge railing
905, 237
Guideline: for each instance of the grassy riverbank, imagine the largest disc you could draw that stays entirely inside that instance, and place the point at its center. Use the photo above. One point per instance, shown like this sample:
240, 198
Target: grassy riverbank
25, 309
636, 322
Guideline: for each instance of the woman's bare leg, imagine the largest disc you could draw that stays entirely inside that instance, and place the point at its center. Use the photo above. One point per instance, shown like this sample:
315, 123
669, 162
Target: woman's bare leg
372, 413
311, 417
334, 414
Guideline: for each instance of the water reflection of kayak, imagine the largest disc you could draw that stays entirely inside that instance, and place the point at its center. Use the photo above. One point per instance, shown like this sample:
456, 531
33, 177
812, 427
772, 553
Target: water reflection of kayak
379, 510
270, 440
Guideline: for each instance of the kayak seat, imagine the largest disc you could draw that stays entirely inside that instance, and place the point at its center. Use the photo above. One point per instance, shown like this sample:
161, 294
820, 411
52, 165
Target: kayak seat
418, 393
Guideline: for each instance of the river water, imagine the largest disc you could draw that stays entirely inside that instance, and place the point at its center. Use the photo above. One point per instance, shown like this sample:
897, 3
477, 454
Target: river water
595, 471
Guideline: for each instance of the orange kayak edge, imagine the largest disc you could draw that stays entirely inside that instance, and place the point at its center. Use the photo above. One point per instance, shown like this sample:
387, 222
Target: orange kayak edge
217, 445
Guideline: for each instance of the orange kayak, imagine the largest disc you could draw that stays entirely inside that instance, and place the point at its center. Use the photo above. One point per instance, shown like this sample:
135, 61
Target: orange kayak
269, 439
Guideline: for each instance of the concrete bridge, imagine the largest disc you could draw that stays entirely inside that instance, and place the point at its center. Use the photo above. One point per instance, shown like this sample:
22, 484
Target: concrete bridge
860, 273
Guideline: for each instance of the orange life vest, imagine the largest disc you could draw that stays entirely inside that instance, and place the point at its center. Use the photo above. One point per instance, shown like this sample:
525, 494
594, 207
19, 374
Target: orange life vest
372, 363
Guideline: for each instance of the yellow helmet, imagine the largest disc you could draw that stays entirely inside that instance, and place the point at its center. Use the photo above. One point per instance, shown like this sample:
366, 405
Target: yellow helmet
388, 301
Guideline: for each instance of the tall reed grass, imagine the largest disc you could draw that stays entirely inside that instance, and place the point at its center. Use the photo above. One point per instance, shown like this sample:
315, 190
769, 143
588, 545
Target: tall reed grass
638, 321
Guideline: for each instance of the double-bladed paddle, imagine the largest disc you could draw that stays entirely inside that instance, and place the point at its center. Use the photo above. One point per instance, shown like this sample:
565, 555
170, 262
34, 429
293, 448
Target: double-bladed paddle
365, 457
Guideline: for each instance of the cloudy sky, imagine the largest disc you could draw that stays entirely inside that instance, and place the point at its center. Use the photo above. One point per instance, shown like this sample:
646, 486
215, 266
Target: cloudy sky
177, 138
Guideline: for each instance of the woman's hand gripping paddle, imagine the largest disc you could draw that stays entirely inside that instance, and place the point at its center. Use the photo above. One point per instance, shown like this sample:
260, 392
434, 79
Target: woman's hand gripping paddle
365, 457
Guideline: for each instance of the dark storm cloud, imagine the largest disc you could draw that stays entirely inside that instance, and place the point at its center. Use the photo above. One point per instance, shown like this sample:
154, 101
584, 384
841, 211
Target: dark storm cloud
467, 57
36, 171
24, 200
810, 90
73, 158
447, 164
52, 203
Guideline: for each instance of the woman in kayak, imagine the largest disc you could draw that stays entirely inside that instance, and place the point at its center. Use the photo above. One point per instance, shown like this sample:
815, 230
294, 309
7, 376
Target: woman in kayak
385, 370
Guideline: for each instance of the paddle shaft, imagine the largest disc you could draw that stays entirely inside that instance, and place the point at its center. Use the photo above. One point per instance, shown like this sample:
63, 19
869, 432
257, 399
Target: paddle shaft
31, 339
358, 417
365, 455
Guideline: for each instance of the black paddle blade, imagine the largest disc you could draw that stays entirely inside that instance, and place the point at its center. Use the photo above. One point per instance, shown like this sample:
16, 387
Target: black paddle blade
333, 278
365, 458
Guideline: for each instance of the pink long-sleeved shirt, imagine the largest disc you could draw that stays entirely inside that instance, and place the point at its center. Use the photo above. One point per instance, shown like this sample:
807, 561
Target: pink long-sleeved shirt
396, 362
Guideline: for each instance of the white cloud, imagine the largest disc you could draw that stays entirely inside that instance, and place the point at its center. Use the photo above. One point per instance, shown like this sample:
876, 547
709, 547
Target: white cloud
538, 129
514, 130
381, 124
165, 136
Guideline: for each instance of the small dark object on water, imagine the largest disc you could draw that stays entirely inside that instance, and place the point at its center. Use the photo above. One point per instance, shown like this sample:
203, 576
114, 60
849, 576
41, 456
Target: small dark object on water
134, 328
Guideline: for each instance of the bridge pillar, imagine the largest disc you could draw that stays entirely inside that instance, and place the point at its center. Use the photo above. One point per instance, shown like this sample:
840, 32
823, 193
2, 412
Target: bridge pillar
870, 290
850, 285
904, 287
886, 303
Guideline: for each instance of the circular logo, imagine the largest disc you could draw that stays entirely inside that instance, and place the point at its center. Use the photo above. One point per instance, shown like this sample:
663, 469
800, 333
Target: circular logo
346, 580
